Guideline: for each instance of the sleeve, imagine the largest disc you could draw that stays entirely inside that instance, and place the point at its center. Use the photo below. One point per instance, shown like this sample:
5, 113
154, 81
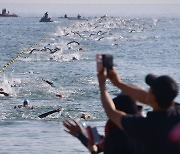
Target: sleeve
83, 139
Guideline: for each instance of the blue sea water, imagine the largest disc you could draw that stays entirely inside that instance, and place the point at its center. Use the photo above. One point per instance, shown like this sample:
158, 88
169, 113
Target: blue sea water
140, 45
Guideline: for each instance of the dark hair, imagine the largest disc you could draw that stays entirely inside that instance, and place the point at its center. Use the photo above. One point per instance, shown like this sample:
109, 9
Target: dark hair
116, 140
124, 103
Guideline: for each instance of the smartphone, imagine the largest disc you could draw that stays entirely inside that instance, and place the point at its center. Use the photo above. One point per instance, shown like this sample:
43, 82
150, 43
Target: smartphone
93, 135
107, 61
104, 61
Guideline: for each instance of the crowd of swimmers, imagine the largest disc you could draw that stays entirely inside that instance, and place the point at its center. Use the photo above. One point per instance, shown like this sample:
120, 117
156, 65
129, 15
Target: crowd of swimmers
53, 50
27, 105
95, 29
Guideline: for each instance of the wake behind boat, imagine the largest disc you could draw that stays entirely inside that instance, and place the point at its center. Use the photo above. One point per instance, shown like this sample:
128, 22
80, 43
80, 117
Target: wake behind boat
7, 14
75, 18
45, 18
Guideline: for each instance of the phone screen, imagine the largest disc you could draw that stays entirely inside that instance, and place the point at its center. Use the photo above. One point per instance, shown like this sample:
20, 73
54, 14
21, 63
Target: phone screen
108, 61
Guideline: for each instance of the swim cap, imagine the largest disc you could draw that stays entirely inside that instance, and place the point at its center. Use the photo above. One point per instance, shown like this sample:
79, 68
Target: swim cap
26, 101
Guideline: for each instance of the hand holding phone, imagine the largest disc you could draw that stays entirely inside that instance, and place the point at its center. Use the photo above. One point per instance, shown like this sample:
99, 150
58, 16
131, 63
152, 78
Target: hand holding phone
104, 61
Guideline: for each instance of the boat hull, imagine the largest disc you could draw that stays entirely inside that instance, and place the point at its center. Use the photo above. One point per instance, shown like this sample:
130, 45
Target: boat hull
8, 15
75, 18
45, 20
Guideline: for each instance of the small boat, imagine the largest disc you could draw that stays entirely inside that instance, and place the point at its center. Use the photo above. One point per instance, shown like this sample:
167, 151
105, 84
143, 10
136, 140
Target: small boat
75, 18
7, 14
45, 18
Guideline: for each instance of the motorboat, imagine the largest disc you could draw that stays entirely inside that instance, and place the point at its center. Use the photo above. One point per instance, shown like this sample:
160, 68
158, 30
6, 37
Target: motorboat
45, 18
7, 14
74, 18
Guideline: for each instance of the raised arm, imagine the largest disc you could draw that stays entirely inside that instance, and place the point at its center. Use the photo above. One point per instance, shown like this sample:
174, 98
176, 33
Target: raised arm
48, 113
135, 92
4, 93
108, 105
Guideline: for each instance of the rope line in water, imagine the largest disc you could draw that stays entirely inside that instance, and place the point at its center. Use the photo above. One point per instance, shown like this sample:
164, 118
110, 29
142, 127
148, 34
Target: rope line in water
21, 53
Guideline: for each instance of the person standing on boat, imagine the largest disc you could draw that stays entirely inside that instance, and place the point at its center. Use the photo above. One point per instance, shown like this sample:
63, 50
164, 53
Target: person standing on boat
46, 15
78, 16
151, 131
3, 11
65, 16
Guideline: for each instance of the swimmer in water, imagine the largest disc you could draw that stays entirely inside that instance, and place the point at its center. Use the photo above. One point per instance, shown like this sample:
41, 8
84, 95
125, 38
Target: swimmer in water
86, 116
48, 82
25, 105
50, 112
73, 42
2, 92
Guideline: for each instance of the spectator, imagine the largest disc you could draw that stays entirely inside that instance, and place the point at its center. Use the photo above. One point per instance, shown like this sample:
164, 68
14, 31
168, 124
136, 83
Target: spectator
115, 141
151, 131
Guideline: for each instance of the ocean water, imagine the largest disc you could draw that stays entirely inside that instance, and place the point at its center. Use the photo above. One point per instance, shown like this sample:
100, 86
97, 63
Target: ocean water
140, 45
